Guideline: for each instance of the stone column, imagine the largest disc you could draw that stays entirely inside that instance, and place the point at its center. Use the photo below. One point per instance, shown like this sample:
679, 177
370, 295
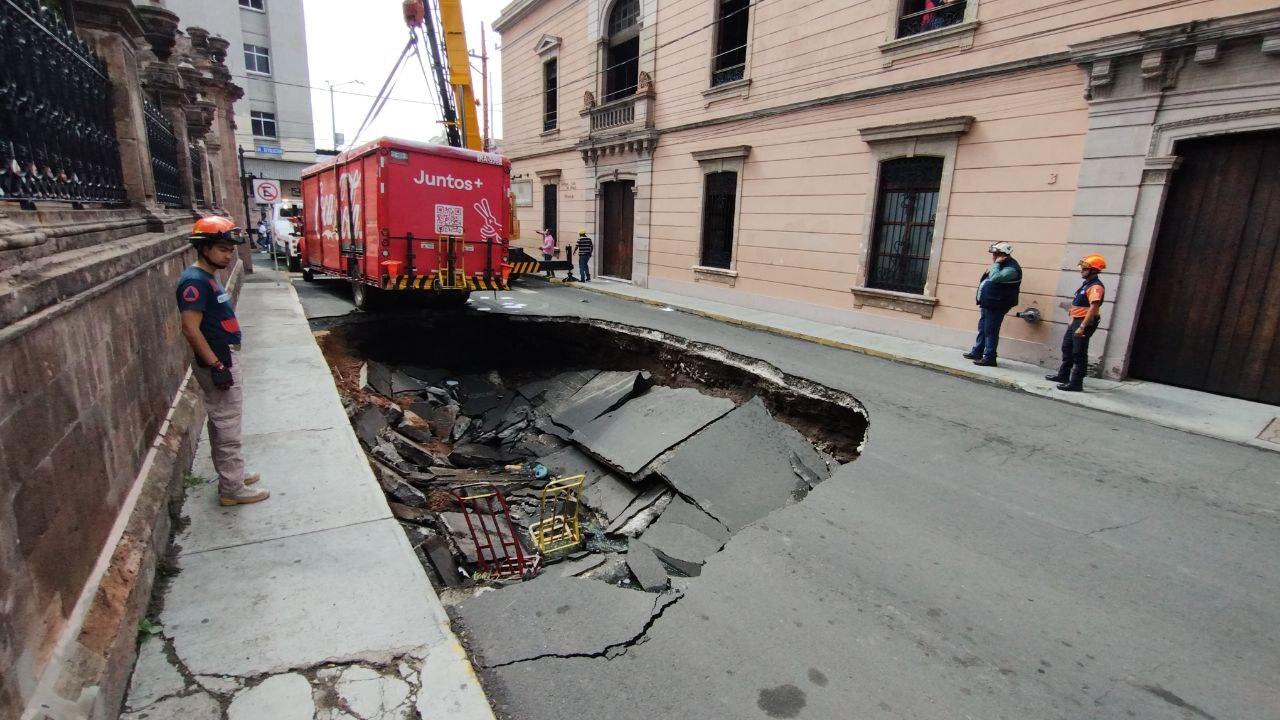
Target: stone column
110, 26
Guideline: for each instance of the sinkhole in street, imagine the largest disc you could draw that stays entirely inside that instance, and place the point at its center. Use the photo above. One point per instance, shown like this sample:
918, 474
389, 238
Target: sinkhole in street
471, 423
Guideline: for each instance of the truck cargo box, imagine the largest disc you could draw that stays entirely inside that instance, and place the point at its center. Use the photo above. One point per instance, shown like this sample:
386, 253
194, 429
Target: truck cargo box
401, 215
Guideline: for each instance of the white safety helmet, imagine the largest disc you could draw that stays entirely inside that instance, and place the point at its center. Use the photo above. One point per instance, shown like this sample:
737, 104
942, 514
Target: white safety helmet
1001, 247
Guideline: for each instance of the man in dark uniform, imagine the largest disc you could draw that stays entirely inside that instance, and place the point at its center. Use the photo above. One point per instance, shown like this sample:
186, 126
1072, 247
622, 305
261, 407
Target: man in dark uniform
997, 294
1086, 316
209, 324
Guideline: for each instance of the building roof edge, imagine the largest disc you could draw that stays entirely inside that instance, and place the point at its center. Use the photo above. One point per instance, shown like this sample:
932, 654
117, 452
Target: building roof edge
514, 12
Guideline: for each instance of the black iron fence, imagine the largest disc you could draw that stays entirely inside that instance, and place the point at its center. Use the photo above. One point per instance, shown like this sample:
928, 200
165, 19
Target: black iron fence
57, 132
164, 155
197, 174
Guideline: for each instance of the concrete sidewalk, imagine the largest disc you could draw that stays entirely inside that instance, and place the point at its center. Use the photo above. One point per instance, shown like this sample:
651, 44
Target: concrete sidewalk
311, 604
1240, 421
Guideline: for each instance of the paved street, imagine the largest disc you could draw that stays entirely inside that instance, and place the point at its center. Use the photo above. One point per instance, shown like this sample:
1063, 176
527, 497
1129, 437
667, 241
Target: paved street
991, 554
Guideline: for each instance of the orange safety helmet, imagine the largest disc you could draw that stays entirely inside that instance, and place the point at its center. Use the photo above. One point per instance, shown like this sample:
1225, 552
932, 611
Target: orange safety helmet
214, 229
1095, 261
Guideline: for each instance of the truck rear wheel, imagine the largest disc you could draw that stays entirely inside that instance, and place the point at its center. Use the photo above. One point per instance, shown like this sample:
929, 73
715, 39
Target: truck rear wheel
364, 297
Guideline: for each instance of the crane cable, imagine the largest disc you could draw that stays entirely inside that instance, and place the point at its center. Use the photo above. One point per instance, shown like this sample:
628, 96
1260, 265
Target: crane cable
380, 100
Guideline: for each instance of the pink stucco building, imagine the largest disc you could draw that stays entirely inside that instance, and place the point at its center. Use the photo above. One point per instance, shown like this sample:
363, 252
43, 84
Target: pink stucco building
851, 162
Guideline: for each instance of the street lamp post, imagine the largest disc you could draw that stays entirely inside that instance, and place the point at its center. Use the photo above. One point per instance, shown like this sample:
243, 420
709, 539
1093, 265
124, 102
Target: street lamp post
333, 118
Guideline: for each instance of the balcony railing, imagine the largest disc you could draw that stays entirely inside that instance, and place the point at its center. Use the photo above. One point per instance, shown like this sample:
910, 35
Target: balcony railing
57, 131
613, 115
164, 155
730, 74
933, 18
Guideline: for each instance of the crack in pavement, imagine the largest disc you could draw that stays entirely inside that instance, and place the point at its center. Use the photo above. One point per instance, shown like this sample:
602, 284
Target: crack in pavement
1114, 527
608, 653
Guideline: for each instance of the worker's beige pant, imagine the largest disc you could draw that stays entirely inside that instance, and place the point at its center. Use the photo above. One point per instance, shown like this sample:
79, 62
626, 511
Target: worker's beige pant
224, 409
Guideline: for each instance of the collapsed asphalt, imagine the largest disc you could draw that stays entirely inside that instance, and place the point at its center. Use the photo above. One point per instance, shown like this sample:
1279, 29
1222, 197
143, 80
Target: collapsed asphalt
990, 554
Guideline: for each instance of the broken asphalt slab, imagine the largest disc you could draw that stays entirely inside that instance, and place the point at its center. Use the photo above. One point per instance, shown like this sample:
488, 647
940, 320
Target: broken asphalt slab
556, 389
556, 617
680, 546
602, 490
603, 393
645, 567
738, 469
631, 436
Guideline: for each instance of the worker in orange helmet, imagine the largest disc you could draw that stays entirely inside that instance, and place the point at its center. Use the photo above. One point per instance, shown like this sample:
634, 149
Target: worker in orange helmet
210, 327
1086, 315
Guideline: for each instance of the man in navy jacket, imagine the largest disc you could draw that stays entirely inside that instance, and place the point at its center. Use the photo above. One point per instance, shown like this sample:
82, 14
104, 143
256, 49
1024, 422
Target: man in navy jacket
997, 294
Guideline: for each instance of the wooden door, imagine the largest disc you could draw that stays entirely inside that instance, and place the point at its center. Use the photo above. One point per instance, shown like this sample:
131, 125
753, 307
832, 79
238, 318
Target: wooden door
1210, 317
616, 234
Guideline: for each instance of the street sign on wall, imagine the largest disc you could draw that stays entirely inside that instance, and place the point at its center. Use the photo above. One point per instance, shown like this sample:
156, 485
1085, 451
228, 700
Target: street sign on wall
268, 150
266, 191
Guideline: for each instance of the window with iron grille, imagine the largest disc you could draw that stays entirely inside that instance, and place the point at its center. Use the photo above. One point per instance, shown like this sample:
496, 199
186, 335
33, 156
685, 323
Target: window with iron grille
264, 123
549, 86
257, 59
549, 211
730, 62
253, 4
906, 204
924, 15
622, 56
718, 200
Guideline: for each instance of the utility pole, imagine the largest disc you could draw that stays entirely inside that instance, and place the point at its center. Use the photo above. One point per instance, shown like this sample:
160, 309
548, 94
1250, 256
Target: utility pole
333, 117
245, 179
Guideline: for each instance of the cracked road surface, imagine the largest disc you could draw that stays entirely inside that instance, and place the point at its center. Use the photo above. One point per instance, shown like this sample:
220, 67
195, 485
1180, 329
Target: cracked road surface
991, 555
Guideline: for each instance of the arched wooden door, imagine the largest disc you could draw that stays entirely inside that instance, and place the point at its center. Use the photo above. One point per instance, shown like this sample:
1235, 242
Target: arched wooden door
1210, 317
618, 200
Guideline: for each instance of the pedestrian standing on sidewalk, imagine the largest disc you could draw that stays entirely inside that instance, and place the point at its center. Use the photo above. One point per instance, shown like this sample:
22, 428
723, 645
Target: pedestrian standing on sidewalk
209, 324
585, 248
1086, 316
997, 294
548, 249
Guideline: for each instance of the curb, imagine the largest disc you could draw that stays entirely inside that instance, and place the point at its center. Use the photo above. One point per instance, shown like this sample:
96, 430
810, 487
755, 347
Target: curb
816, 339
916, 362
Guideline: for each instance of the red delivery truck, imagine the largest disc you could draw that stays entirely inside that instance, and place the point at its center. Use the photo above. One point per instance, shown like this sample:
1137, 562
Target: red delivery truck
400, 216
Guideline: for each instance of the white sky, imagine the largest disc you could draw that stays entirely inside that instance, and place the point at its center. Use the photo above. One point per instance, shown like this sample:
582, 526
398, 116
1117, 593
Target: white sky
361, 41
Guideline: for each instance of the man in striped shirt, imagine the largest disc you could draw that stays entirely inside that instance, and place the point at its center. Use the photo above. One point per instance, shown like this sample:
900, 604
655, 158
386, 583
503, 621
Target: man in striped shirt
585, 248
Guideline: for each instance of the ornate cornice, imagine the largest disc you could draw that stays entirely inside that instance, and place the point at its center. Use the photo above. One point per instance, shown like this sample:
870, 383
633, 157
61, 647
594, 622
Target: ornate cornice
514, 13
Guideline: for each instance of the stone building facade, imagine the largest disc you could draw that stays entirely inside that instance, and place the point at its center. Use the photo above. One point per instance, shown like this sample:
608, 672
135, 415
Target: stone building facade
851, 164
123, 131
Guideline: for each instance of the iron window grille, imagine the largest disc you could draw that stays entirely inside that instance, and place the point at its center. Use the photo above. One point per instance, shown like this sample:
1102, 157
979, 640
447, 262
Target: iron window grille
57, 128
719, 199
730, 62
264, 123
906, 206
257, 59
550, 86
163, 145
197, 176
924, 15
253, 4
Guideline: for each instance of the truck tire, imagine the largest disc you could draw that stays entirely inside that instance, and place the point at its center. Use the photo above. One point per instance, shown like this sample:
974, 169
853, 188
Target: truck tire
365, 297
307, 275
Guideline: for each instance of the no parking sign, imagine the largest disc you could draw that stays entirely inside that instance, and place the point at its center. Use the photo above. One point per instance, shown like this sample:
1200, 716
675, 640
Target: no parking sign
266, 191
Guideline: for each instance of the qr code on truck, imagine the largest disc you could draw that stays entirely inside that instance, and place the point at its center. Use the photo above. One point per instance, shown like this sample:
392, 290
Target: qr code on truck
448, 219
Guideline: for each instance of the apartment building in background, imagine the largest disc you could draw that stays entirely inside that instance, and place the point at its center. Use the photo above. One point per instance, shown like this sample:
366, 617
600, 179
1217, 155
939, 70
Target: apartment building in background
268, 58
852, 162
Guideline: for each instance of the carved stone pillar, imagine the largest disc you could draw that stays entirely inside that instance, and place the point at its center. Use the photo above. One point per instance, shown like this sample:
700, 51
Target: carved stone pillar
110, 27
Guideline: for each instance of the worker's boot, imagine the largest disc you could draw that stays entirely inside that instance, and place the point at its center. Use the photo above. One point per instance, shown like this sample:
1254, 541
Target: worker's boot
1076, 382
1063, 374
246, 496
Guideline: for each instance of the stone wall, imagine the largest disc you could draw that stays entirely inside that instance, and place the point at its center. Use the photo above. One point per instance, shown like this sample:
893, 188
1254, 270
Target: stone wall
87, 383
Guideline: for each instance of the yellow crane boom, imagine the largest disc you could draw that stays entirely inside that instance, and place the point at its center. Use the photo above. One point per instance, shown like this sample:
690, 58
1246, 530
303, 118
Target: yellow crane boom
457, 58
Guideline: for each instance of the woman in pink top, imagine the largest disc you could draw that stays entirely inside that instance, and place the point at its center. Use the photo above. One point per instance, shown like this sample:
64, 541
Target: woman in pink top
548, 249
